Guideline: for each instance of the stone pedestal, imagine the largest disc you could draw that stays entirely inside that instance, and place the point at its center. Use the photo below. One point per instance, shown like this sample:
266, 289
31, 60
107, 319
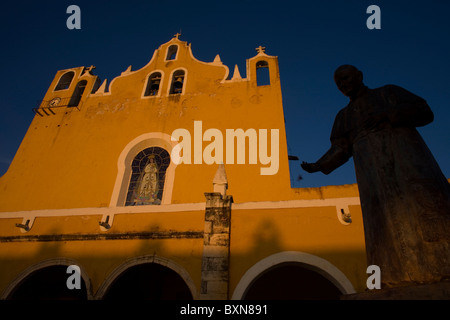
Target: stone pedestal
433, 291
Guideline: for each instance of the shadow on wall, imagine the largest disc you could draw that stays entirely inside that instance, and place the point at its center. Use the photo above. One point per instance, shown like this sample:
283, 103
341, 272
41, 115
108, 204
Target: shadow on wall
150, 279
284, 280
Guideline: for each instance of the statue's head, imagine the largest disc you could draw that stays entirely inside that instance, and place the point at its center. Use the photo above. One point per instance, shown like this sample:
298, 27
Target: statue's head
349, 79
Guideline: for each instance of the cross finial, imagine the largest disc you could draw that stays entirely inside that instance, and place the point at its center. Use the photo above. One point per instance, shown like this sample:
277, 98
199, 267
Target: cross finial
90, 69
261, 49
176, 35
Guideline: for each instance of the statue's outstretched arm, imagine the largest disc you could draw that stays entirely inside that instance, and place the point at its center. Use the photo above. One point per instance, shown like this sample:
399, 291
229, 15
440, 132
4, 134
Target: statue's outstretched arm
331, 160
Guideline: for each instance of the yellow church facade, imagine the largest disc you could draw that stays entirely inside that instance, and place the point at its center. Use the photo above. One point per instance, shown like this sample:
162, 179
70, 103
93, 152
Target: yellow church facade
171, 182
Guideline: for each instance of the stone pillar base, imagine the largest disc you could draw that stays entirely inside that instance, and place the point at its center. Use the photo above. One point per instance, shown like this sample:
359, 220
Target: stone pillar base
216, 247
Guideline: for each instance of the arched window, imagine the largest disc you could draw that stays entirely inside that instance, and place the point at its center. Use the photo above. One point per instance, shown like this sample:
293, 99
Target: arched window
172, 52
262, 73
147, 177
177, 82
77, 93
65, 81
153, 83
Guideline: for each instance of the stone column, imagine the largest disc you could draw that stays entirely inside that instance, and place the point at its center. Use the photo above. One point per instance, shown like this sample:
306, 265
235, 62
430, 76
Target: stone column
216, 240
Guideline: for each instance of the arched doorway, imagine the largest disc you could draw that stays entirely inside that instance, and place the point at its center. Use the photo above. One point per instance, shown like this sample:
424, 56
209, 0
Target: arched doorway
148, 281
291, 281
48, 283
288, 270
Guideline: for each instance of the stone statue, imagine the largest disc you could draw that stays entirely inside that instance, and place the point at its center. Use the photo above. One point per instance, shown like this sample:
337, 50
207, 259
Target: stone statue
148, 184
405, 198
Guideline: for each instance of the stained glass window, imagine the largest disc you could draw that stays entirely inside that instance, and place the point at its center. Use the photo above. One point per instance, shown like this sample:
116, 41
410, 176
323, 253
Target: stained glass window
147, 177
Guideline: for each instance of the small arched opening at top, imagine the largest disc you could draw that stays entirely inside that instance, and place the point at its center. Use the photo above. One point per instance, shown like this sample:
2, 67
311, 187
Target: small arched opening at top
65, 81
262, 73
153, 84
172, 52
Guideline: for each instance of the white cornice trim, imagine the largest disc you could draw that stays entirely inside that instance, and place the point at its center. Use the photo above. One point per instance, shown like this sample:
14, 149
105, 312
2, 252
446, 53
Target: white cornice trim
339, 203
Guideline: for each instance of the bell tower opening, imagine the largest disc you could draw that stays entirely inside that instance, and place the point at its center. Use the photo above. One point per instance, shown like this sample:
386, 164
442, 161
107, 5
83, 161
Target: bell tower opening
172, 52
153, 84
77, 94
65, 81
262, 73
177, 82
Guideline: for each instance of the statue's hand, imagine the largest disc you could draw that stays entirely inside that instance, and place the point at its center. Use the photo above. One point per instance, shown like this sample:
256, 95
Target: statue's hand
310, 167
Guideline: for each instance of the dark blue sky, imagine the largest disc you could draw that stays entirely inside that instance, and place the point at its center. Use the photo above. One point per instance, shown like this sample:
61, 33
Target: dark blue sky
310, 38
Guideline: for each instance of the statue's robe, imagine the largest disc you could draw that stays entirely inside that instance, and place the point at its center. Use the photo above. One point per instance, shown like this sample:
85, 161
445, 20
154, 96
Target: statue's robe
405, 198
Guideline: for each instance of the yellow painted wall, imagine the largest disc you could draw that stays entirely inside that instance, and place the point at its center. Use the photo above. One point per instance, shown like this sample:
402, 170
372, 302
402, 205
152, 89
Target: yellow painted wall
257, 234
70, 160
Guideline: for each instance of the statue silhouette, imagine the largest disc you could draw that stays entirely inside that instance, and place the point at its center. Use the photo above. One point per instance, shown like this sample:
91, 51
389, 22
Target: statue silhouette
405, 198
